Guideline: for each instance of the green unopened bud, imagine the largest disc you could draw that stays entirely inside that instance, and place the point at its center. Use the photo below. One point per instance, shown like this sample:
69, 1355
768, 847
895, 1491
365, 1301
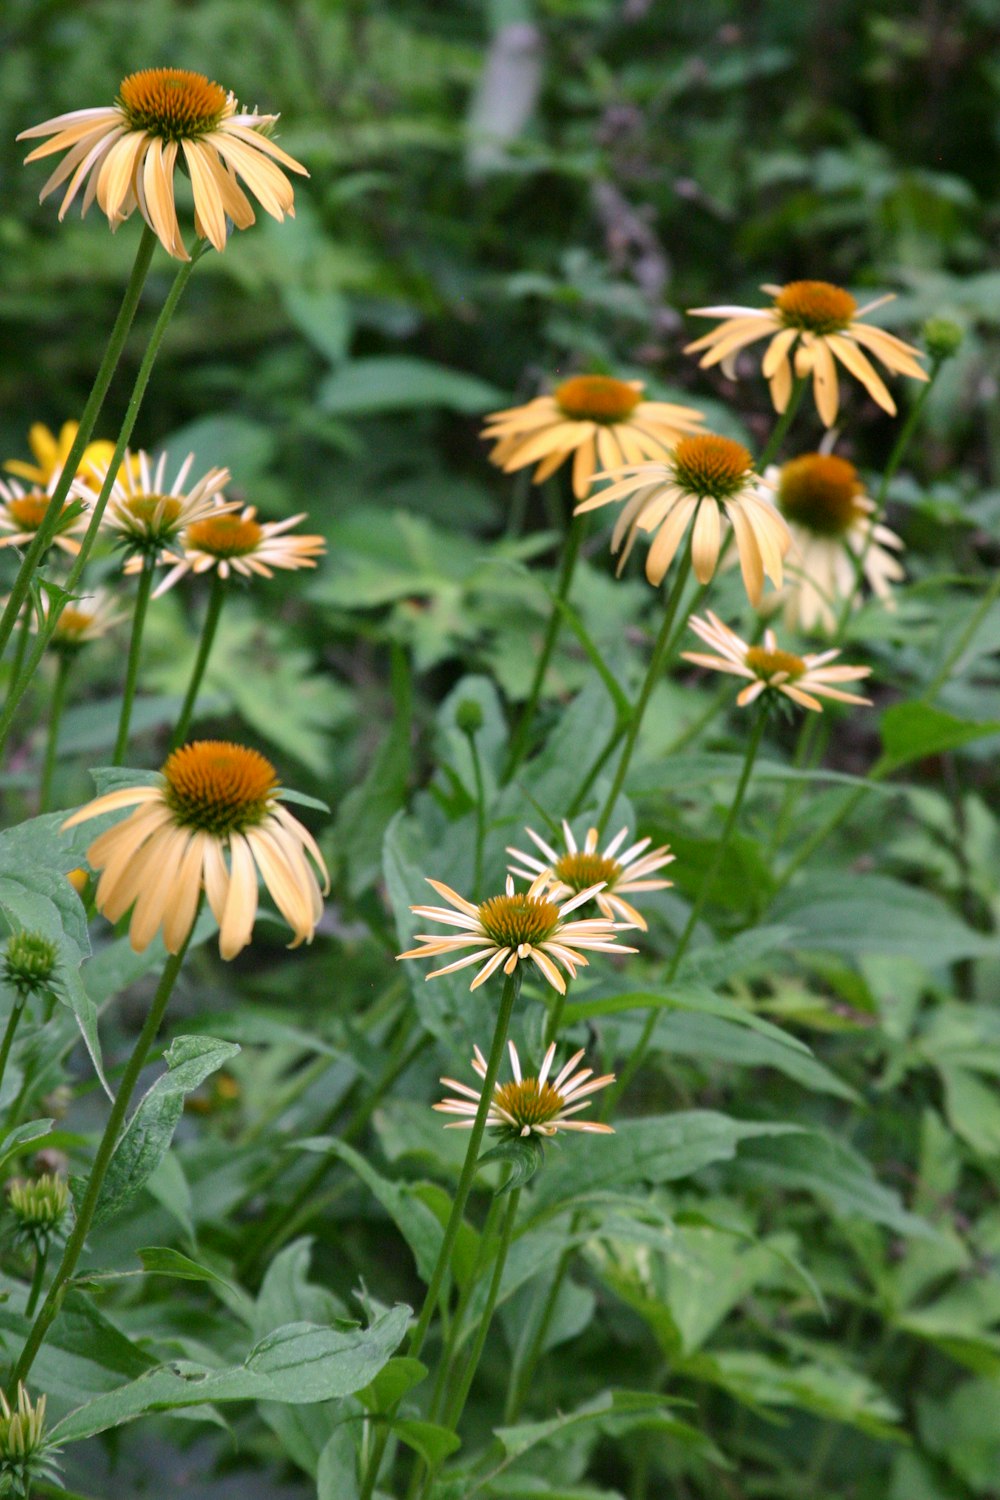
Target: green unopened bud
28, 963
25, 1456
469, 716
40, 1207
942, 338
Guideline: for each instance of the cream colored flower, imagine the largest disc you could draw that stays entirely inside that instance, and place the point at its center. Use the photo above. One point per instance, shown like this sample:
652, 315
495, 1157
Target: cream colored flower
144, 515
833, 530
529, 1106
212, 799
509, 929
84, 620
23, 511
593, 419
613, 872
51, 452
803, 679
163, 120
707, 480
814, 325
240, 544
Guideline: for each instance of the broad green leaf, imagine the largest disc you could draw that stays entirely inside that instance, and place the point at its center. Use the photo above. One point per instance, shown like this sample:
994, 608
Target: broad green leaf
17, 1141
401, 382
833, 1172
912, 731
337, 1470
834, 1390
682, 997
84, 1353
229, 441
432, 1442
401, 1375
160, 1260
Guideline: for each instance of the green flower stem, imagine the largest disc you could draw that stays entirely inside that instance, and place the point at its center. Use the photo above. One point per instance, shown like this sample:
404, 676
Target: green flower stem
17, 1011
525, 1368
511, 987
964, 640
105, 1151
450, 1351
134, 657
52, 734
555, 1017
116, 343
456, 1406
638, 1054
216, 599
36, 1282
571, 551
653, 674
783, 423
47, 629
21, 646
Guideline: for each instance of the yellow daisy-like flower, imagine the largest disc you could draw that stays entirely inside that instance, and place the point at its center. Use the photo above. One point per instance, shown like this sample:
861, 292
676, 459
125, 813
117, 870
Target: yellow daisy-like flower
803, 679
212, 799
240, 544
510, 929
614, 870
84, 620
813, 324
705, 479
165, 118
23, 511
529, 1106
144, 515
593, 419
831, 520
51, 452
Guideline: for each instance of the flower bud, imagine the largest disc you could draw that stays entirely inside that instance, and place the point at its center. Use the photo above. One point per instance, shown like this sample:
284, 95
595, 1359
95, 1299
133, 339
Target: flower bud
28, 963
39, 1207
942, 338
25, 1455
469, 716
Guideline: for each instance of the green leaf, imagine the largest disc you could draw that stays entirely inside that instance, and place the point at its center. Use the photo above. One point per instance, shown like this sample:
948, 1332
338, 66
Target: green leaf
432, 1442
912, 731
400, 1376
337, 1470
146, 1139
524, 1155
158, 1260
367, 809
231, 442
20, 1138
684, 997
400, 382
829, 1169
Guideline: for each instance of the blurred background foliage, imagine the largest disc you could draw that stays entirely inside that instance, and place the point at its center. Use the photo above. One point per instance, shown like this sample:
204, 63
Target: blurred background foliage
501, 194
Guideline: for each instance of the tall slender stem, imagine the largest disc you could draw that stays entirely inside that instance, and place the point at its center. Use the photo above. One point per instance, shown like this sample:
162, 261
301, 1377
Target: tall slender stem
637, 1056
116, 343
21, 645
41, 1257
105, 1151
134, 656
456, 1405
571, 551
654, 671
511, 987
46, 629
783, 423
52, 733
216, 599
8, 1037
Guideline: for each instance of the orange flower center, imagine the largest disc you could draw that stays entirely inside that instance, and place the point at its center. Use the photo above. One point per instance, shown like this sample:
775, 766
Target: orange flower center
580, 870
528, 1104
28, 511
152, 515
171, 102
217, 787
510, 921
711, 465
815, 306
73, 623
820, 492
767, 664
597, 398
225, 536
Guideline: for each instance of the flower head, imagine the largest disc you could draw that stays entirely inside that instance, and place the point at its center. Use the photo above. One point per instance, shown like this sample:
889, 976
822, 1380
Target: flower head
508, 929
593, 419
239, 544
23, 511
28, 963
39, 1207
86, 619
26, 1457
51, 452
612, 871
814, 324
529, 1106
705, 479
831, 520
145, 514
165, 118
212, 799
803, 679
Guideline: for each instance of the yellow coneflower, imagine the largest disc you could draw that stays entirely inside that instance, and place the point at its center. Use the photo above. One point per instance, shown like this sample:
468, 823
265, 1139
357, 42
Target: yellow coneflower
593, 419
84, 620
831, 520
23, 511
517, 926
144, 514
803, 679
163, 119
240, 544
212, 798
529, 1106
614, 870
814, 324
705, 479
51, 452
